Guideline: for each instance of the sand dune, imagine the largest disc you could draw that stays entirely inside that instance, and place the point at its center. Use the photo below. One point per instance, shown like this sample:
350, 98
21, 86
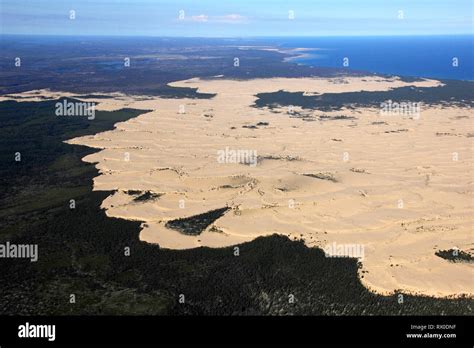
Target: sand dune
387, 183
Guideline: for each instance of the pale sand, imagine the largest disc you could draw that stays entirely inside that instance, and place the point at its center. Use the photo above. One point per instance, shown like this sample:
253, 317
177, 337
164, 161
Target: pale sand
176, 155
39, 95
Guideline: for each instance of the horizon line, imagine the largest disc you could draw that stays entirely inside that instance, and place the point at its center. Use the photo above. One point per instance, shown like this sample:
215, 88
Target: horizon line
234, 37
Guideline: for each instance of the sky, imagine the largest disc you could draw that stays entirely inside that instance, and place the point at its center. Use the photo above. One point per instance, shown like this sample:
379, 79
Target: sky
236, 18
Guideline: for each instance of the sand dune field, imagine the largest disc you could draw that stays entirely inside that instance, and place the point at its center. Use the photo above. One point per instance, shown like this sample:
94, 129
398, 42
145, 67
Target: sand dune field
396, 188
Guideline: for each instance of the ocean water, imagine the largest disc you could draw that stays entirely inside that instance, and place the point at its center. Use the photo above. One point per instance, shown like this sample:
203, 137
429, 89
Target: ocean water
417, 56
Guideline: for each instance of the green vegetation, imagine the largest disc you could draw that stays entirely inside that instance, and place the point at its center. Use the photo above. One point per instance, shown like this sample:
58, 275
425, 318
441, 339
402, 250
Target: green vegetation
195, 225
455, 255
83, 252
155, 62
147, 196
453, 93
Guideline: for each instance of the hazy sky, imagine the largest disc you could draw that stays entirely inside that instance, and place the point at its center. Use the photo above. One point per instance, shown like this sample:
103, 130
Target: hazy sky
231, 18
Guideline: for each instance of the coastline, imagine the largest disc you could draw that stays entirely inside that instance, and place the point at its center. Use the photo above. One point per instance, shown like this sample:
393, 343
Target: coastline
409, 57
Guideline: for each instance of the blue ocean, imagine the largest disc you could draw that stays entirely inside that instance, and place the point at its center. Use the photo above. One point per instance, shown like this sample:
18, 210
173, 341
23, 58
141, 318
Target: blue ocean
417, 56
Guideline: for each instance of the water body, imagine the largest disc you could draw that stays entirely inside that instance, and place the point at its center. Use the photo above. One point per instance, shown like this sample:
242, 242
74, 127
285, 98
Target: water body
418, 56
